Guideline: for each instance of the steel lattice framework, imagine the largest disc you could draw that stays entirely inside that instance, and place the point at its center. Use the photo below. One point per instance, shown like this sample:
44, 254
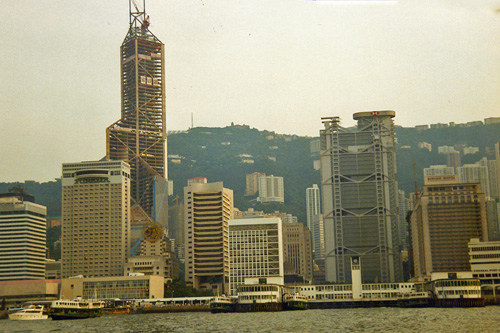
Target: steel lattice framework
359, 192
139, 136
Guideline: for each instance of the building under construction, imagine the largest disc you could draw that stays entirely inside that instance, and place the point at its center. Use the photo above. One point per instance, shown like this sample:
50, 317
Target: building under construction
139, 136
359, 197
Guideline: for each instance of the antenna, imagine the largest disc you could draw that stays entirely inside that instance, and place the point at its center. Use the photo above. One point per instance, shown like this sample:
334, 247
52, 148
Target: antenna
192, 120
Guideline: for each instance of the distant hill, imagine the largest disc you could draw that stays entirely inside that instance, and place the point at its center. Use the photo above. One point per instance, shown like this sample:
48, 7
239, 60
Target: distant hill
223, 154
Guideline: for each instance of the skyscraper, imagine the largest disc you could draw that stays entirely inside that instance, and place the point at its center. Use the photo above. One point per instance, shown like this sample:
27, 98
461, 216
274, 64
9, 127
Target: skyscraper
312, 209
297, 250
139, 136
207, 210
22, 236
445, 217
359, 197
95, 218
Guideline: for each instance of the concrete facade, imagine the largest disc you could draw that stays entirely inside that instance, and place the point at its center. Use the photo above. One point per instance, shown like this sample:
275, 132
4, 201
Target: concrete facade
445, 217
297, 250
22, 238
255, 250
95, 218
207, 210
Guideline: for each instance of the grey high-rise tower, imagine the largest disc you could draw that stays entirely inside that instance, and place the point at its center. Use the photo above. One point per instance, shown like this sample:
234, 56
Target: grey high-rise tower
359, 197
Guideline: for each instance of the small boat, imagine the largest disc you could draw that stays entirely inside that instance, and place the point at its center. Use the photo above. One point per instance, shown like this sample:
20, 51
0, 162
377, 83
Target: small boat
221, 304
295, 302
76, 309
32, 312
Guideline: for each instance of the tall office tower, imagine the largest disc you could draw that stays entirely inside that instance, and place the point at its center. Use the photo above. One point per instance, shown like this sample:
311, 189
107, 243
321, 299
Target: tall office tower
359, 197
318, 238
404, 228
435, 170
252, 183
255, 250
297, 250
312, 205
271, 189
446, 216
139, 136
95, 218
207, 210
22, 236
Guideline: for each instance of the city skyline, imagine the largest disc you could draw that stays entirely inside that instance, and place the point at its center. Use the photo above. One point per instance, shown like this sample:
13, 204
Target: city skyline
230, 61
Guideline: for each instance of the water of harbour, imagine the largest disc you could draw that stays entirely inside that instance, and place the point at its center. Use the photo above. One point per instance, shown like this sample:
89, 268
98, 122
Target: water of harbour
485, 319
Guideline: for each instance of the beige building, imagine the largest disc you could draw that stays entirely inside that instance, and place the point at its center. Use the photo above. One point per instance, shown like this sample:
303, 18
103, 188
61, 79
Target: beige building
252, 183
255, 250
16, 293
446, 216
95, 218
485, 265
122, 287
297, 250
207, 210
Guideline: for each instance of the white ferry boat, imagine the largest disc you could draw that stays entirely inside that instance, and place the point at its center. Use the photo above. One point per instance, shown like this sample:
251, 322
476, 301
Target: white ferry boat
76, 309
222, 304
32, 312
295, 301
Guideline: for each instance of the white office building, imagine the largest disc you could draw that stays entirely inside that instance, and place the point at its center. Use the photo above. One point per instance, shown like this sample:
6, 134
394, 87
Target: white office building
22, 238
255, 250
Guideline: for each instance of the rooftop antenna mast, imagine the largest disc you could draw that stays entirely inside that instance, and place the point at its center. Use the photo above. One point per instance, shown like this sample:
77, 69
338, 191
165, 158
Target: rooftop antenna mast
138, 17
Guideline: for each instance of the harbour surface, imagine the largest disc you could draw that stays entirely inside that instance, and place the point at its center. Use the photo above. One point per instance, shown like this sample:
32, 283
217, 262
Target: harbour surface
484, 319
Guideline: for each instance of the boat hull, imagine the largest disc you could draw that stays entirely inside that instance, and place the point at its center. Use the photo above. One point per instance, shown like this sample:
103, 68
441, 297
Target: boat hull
68, 315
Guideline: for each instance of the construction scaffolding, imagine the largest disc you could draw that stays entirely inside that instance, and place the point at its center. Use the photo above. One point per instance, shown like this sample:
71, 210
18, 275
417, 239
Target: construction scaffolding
359, 193
139, 136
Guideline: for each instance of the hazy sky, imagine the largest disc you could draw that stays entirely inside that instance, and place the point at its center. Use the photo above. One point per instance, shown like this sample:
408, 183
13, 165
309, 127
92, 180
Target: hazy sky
278, 65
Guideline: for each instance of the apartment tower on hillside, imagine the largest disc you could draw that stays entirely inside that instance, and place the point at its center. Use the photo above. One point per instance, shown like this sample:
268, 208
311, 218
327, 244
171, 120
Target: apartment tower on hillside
139, 136
95, 218
207, 210
359, 197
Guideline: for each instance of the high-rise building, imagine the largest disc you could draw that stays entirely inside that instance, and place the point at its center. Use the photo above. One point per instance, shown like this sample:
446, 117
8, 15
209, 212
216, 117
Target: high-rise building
318, 238
95, 218
252, 183
255, 250
207, 210
359, 197
404, 228
312, 205
446, 216
271, 189
475, 173
139, 136
22, 236
297, 250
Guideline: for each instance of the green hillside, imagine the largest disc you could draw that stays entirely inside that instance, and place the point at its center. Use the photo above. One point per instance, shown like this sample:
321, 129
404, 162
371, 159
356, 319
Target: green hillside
219, 154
